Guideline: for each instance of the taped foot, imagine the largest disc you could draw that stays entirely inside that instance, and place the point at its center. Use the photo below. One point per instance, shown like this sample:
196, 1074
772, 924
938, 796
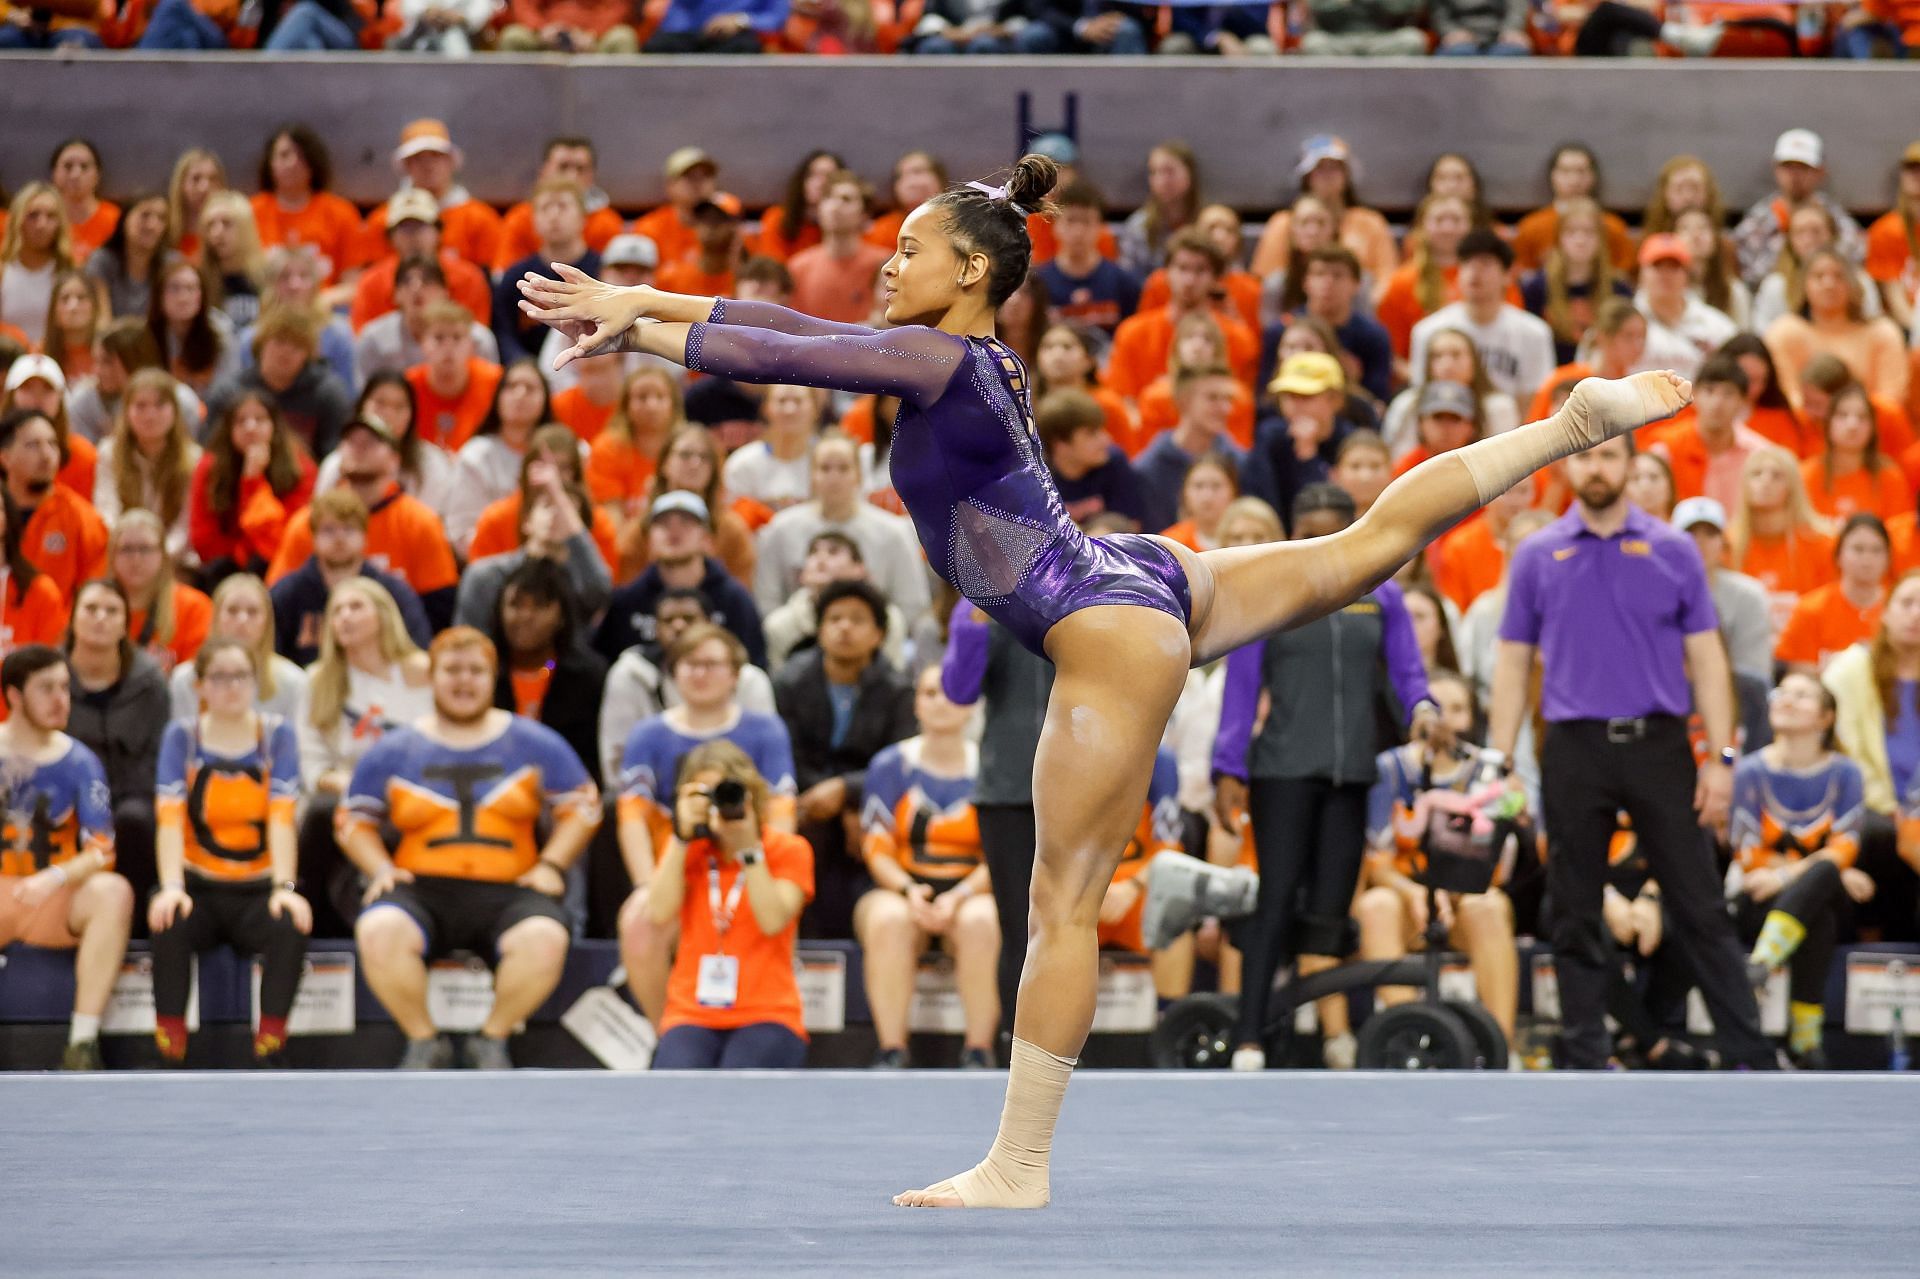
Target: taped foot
982, 1186
1015, 1172
1599, 409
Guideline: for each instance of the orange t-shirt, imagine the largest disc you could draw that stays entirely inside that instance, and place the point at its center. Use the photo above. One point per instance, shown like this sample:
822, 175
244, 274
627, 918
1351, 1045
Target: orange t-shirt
66, 539
580, 415
767, 991
95, 231
530, 690
517, 238
326, 222
1895, 426
449, 421
192, 619
37, 616
1242, 289
83, 458
1888, 249
498, 531
857, 422
685, 276
1158, 412
1046, 246
837, 289
1823, 623
1187, 533
1144, 340
404, 537
672, 236
1900, 530
1789, 566
773, 240
617, 471
469, 228
1399, 307
885, 231
466, 284
1885, 494
1534, 237
1783, 427
1467, 561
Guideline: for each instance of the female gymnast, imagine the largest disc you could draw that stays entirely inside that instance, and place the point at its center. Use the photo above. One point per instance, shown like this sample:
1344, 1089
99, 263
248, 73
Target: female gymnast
1121, 618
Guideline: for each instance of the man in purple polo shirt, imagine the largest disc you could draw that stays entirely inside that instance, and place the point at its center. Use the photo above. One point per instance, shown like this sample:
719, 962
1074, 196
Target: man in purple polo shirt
1617, 605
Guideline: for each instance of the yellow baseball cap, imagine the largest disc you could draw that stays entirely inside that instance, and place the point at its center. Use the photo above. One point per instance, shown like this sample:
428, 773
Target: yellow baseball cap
1309, 373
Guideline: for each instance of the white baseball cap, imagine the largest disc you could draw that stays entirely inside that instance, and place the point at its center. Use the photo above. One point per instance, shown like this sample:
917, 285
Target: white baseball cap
1800, 146
28, 367
1699, 510
630, 250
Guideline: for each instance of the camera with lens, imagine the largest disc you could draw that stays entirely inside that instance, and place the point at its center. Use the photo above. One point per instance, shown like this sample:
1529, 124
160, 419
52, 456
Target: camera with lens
730, 798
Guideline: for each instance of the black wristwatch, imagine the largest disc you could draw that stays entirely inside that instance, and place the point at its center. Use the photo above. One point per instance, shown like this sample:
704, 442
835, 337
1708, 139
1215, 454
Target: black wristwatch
747, 857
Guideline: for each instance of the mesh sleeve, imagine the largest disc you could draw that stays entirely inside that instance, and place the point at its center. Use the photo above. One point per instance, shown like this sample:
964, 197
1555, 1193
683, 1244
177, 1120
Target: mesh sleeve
779, 319
915, 363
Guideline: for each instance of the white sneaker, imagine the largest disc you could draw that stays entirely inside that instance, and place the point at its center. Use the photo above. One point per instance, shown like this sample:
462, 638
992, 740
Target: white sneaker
1249, 1059
1340, 1052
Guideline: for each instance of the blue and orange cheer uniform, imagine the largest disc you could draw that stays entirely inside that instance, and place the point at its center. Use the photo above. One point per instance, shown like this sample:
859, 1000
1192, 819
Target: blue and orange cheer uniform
223, 808
55, 812
921, 820
466, 819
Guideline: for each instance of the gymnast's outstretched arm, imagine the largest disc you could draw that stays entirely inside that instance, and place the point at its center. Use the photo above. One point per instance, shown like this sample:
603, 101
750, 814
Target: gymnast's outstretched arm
576, 286
913, 363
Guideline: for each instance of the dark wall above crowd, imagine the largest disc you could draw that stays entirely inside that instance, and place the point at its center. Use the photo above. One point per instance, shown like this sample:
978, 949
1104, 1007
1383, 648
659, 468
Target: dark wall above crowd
1245, 122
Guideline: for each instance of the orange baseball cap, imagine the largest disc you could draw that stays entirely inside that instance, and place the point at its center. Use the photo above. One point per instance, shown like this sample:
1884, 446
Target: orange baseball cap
1665, 247
423, 136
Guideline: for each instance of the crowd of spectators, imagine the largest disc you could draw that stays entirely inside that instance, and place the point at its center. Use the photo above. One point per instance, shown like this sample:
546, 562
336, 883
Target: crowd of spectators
1342, 28
274, 443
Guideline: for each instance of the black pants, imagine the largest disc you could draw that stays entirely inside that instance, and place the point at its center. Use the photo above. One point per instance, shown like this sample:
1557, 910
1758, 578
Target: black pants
1611, 29
1585, 781
1008, 839
1309, 835
327, 879
696, 42
235, 915
1893, 912
1647, 995
1815, 898
133, 852
608, 883
839, 880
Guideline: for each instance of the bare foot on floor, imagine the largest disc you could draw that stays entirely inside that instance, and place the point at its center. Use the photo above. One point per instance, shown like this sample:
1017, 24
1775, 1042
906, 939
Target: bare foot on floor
1601, 409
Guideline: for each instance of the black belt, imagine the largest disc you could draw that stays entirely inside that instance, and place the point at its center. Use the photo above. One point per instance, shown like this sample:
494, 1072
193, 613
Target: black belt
1626, 729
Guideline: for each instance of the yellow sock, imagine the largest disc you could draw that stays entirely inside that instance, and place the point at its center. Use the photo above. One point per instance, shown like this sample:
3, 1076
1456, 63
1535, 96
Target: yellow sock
1807, 1020
1780, 936
1014, 1173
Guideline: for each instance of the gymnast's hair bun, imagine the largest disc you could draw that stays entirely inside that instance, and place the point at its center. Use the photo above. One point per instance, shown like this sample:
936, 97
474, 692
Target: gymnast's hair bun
1032, 178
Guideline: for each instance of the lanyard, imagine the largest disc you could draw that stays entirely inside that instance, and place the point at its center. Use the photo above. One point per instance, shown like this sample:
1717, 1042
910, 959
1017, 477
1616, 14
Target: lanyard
723, 915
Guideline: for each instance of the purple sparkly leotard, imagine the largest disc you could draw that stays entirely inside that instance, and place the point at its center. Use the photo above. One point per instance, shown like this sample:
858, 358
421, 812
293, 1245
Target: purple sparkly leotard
966, 462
